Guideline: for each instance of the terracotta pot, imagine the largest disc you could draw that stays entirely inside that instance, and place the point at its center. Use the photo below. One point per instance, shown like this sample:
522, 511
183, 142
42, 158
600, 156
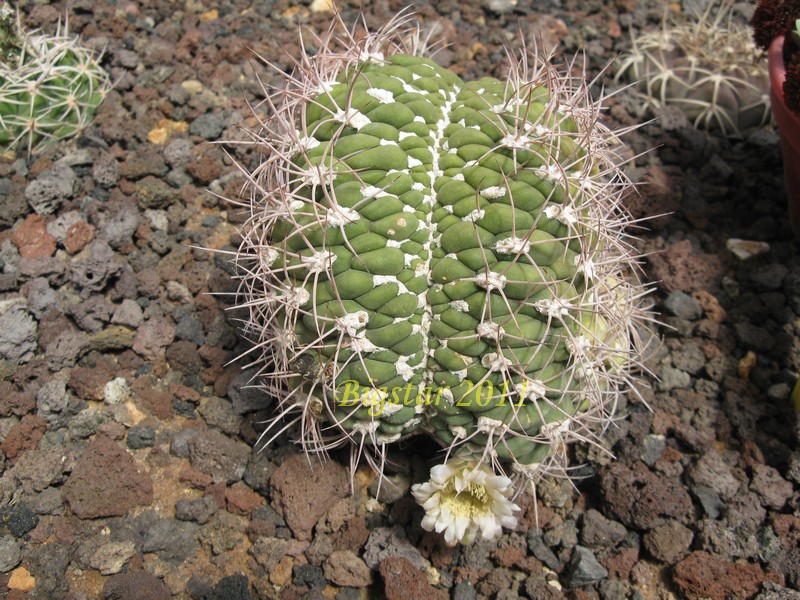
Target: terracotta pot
789, 128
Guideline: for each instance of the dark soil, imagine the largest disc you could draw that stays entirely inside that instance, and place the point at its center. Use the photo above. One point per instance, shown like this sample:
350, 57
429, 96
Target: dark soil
127, 458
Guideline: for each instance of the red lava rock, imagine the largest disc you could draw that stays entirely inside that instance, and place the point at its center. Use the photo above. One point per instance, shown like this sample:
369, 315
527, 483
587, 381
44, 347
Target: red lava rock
702, 575
24, 436
242, 500
105, 482
619, 565
153, 337
32, 239
78, 236
643, 499
345, 568
304, 492
679, 268
402, 581
135, 585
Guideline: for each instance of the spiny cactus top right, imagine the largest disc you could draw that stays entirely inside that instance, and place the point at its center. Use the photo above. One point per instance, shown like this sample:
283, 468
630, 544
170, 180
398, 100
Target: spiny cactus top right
707, 66
431, 255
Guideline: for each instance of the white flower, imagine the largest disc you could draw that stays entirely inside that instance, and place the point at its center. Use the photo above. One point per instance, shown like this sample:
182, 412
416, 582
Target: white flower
466, 501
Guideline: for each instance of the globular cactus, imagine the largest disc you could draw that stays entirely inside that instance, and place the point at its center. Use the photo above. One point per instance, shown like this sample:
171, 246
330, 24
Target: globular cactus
708, 66
50, 86
430, 255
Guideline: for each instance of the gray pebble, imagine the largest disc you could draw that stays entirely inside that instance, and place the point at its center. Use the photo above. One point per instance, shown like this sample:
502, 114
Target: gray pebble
209, 126
119, 224
178, 152
105, 171
52, 397
682, 305
179, 444
583, 568
19, 334
173, 541
670, 378
10, 553
41, 297
47, 502
190, 329
464, 591
199, 511
46, 193
218, 413
85, 423
688, 357
216, 454
540, 550
128, 313
244, 396
91, 314
141, 436
384, 542
600, 531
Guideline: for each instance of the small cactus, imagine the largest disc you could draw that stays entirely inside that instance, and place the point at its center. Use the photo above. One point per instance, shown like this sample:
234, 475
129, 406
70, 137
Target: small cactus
50, 86
708, 67
429, 255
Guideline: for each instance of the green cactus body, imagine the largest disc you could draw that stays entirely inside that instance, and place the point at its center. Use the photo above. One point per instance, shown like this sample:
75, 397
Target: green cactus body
50, 88
430, 255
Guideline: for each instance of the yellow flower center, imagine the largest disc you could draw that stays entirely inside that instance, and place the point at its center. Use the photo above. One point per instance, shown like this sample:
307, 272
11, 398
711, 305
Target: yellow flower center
473, 500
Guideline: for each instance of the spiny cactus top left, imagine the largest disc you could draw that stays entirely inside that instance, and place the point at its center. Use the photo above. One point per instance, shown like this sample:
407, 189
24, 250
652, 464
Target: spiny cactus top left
50, 86
427, 255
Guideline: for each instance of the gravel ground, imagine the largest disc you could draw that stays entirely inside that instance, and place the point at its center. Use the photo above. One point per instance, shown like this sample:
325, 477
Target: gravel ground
127, 458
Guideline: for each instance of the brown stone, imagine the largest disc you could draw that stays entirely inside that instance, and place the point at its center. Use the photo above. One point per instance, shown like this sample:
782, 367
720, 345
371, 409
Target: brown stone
136, 585
89, 382
24, 436
105, 482
640, 498
241, 500
32, 239
303, 490
154, 400
703, 575
14, 402
680, 268
345, 568
668, 543
403, 581
352, 536
78, 236
153, 337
